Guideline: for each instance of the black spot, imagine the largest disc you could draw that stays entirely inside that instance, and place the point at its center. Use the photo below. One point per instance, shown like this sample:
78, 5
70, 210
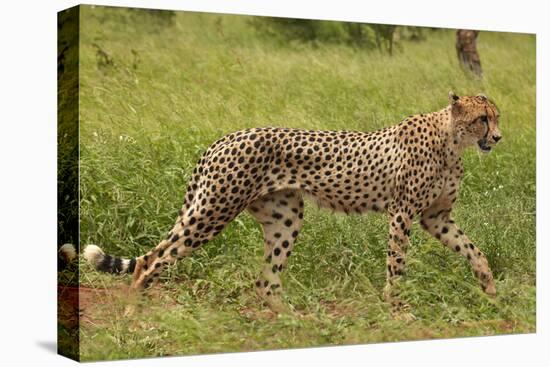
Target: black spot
444, 230
174, 252
161, 252
117, 266
277, 251
288, 222
132, 266
286, 244
457, 248
105, 264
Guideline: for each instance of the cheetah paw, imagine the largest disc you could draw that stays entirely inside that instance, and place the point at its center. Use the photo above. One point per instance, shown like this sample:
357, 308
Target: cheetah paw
403, 316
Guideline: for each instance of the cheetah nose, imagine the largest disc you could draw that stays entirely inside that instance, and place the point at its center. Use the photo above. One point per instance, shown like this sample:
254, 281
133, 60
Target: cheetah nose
496, 138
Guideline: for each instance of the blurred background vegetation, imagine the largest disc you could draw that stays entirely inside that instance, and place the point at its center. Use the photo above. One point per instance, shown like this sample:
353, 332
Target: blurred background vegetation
365, 36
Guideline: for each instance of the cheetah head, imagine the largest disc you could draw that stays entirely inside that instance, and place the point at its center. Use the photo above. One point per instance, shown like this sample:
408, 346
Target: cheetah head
475, 121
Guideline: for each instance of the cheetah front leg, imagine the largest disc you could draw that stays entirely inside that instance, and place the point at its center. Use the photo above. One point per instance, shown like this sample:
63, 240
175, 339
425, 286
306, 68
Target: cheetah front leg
437, 221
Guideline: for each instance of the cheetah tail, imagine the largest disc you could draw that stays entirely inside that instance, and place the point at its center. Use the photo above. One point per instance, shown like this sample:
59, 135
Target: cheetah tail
107, 263
65, 255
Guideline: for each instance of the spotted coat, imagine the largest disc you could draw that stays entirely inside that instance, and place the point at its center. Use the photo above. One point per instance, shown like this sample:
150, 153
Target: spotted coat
406, 170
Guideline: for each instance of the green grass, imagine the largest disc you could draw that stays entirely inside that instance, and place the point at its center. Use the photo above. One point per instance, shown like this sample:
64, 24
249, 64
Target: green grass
146, 120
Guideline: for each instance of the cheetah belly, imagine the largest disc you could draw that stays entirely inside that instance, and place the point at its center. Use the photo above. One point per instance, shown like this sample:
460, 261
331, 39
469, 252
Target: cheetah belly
353, 193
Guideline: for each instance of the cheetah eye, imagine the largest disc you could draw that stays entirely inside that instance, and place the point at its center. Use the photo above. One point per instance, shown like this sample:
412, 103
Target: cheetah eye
483, 118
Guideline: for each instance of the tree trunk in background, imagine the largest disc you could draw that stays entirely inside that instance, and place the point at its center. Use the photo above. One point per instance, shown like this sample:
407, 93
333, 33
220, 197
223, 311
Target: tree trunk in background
391, 33
466, 50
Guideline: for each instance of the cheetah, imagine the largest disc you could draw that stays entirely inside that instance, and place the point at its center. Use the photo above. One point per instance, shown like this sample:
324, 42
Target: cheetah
407, 170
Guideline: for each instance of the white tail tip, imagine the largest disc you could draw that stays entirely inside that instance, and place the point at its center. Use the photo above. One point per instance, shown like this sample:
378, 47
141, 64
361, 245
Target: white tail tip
68, 252
94, 254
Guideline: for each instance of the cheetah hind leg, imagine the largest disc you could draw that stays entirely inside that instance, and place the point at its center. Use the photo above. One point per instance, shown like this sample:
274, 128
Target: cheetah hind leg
280, 214
400, 310
191, 231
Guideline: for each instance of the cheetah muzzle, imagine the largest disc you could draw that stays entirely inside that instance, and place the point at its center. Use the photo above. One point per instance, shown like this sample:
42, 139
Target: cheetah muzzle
412, 169
484, 146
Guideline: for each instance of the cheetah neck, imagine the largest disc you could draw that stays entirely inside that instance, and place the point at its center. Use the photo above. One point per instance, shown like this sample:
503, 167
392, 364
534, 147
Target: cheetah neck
450, 137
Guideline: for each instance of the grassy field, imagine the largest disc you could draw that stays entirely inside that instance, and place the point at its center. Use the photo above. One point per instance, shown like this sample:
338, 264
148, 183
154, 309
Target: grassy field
154, 96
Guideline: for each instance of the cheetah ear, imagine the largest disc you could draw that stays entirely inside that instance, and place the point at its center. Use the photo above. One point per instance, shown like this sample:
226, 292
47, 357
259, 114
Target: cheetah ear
483, 97
453, 97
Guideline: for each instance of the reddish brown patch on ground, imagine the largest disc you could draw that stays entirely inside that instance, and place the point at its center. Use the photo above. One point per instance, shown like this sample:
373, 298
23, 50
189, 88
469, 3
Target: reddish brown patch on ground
94, 301
97, 306
67, 306
81, 304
